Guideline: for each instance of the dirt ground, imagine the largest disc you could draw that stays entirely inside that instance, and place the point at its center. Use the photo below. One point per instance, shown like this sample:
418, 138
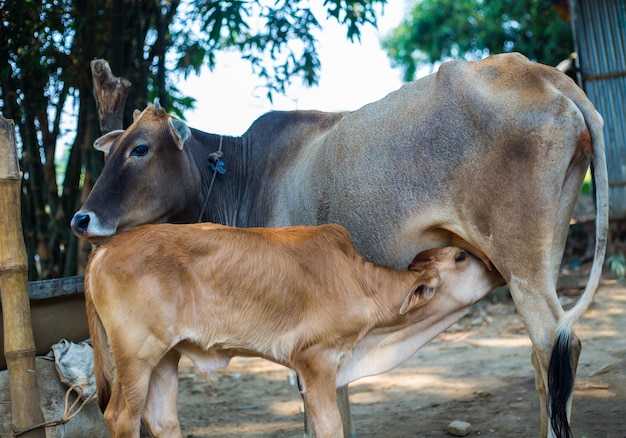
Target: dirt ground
478, 371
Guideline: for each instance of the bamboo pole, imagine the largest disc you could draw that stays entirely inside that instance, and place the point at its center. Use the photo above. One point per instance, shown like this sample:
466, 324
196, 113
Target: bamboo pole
19, 344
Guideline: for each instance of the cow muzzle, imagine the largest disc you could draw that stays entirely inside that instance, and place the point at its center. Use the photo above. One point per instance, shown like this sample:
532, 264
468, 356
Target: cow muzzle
87, 225
80, 224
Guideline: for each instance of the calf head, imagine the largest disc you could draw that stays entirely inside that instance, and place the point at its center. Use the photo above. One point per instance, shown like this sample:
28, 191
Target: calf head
146, 173
424, 289
462, 275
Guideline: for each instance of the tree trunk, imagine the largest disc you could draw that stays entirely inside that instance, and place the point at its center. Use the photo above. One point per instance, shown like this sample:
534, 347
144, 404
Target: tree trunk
111, 93
19, 344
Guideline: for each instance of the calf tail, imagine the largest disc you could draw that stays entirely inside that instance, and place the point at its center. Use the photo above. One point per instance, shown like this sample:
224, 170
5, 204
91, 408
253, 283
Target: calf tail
102, 367
561, 372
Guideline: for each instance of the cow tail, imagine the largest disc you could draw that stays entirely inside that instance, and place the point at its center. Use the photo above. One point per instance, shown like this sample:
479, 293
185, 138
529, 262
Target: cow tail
561, 371
102, 366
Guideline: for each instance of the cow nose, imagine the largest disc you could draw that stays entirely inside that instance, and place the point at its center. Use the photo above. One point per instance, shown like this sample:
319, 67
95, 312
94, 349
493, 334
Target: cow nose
80, 223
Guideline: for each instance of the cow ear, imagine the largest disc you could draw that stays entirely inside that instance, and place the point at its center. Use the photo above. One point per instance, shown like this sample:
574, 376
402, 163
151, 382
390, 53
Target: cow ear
420, 294
181, 131
136, 114
104, 143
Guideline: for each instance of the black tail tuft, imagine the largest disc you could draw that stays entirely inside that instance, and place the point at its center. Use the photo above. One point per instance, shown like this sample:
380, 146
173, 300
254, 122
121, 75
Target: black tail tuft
560, 385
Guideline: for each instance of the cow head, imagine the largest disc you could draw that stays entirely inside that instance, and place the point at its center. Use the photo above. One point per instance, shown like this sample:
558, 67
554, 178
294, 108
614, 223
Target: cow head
148, 177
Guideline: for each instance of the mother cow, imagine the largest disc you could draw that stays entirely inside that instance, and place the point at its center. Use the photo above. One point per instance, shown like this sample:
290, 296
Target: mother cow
487, 155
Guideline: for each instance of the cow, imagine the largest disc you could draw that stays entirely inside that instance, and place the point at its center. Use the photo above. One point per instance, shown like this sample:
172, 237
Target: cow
299, 296
487, 155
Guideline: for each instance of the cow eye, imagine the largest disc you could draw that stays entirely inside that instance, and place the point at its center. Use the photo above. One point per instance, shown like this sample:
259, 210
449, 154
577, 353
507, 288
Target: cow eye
460, 257
140, 150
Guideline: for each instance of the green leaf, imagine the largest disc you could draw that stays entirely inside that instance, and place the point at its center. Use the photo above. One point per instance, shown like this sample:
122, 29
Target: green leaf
617, 264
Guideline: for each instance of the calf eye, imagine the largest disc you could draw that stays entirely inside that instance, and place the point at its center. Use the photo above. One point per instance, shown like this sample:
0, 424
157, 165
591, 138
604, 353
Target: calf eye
460, 257
140, 150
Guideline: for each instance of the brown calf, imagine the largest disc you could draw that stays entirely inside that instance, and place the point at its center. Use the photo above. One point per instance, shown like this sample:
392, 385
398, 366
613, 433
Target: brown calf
299, 296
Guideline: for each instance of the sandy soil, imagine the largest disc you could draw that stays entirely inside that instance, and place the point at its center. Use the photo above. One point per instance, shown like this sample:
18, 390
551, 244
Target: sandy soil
478, 371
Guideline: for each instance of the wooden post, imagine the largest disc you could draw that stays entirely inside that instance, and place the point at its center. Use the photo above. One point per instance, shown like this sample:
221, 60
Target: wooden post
19, 344
110, 93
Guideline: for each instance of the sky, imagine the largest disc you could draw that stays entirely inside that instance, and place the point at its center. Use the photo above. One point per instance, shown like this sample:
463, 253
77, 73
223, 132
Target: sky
352, 74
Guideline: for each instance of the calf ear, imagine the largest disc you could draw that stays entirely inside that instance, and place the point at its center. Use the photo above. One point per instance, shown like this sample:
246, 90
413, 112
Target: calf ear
104, 143
420, 294
181, 131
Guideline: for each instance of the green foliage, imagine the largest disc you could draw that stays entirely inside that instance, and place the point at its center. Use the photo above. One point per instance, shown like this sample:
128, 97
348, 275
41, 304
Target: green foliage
352, 13
617, 264
276, 37
439, 30
586, 188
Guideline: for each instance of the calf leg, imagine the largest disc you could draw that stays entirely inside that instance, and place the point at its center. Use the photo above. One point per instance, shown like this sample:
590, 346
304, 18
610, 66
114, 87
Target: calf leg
133, 375
320, 403
160, 413
123, 413
343, 403
316, 369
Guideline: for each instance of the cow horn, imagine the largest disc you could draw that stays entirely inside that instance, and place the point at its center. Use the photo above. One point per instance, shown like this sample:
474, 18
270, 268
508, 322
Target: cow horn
157, 104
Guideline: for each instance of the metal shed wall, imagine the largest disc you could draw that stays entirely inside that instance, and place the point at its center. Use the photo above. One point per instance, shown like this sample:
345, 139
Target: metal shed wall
599, 28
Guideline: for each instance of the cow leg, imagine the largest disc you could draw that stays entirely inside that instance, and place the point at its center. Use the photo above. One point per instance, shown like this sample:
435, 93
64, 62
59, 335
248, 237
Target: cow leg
160, 413
562, 366
541, 325
539, 309
540, 384
576, 348
561, 376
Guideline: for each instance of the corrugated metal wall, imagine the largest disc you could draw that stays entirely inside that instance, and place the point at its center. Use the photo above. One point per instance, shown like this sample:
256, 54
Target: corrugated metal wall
599, 28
